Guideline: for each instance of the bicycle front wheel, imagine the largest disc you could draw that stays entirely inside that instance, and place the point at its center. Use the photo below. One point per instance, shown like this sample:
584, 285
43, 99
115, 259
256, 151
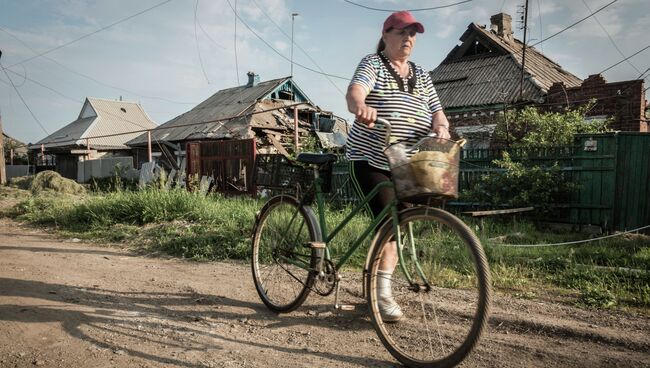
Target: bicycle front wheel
280, 260
433, 308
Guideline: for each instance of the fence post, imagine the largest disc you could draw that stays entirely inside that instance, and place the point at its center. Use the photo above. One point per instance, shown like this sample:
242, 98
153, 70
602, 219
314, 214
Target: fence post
295, 127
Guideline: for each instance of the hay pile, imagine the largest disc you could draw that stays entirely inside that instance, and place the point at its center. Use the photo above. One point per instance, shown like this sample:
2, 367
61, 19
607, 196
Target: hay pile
50, 181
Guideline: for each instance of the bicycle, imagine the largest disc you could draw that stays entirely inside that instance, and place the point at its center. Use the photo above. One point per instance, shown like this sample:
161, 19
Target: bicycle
442, 280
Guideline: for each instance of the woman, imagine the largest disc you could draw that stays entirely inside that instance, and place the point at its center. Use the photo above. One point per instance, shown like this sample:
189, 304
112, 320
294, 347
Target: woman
387, 85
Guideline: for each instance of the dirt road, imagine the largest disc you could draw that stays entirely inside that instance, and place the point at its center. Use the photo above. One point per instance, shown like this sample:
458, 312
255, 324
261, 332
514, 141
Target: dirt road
69, 304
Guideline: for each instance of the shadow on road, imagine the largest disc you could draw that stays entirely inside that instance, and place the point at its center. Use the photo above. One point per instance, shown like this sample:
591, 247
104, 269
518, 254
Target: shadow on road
165, 322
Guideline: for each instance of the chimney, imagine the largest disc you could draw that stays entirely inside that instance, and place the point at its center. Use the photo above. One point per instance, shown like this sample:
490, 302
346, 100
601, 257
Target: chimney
501, 24
253, 79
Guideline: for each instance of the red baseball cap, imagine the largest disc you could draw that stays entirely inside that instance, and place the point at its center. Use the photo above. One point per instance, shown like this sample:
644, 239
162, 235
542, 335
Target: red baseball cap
401, 20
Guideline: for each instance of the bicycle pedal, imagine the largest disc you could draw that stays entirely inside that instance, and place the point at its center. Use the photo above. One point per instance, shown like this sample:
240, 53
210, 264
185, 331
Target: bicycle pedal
345, 307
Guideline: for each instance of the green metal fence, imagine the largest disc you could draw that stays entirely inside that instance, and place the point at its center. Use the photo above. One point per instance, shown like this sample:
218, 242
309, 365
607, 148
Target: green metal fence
612, 171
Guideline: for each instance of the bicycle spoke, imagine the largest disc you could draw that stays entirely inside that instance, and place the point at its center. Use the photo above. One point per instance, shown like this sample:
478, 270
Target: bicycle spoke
436, 286
280, 266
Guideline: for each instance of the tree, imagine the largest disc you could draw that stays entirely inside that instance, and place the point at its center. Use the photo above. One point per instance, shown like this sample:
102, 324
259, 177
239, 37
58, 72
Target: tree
518, 182
530, 128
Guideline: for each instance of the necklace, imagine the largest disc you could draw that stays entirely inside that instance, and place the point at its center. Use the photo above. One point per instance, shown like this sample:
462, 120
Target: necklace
397, 70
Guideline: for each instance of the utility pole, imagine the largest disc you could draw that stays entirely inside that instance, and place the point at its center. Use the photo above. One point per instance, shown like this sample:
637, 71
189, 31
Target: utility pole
3, 170
523, 56
293, 15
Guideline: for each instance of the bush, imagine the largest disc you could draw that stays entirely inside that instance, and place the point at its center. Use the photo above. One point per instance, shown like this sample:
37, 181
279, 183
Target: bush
517, 185
521, 183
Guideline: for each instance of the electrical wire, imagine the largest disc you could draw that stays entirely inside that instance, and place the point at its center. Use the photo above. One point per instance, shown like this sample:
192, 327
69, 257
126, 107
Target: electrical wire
573, 24
92, 33
299, 47
627, 58
210, 37
278, 52
574, 242
610, 37
235, 41
541, 28
196, 38
46, 87
22, 99
411, 10
92, 78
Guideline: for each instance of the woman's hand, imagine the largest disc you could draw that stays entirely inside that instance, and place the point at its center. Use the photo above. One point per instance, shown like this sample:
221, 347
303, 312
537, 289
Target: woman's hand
366, 115
440, 125
442, 132
356, 99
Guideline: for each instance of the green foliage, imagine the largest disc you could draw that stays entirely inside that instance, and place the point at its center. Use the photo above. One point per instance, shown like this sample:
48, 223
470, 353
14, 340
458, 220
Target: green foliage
522, 182
517, 185
610, 273
530, 128
113, 183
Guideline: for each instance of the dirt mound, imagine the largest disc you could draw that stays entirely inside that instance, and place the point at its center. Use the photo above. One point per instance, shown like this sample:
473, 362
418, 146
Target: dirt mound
53, 181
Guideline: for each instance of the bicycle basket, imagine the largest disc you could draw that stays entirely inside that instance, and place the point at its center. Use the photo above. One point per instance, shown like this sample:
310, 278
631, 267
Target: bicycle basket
428, 169
275, 171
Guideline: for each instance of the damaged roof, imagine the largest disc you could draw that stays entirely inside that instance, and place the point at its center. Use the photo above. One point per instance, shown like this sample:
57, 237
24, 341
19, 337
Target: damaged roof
485, 69
203, 121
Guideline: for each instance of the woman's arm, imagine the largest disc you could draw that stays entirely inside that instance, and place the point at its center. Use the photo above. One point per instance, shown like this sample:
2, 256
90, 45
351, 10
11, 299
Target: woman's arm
356, 99
440, 124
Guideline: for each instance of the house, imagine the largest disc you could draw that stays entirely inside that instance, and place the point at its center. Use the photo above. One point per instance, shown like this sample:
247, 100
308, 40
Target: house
220, 137
483, 75
100, 131
622, 102
15, 151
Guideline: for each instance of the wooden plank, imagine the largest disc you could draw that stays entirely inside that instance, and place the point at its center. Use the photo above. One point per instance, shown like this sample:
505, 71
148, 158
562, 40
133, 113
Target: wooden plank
498, 212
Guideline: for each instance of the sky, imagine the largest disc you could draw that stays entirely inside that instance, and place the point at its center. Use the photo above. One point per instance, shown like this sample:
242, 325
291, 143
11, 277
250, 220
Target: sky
171, 55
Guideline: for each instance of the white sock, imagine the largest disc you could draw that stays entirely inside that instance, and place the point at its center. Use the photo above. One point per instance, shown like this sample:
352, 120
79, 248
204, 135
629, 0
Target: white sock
384, 287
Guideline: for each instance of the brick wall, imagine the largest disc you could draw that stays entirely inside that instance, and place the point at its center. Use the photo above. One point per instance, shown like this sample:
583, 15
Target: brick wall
624, 101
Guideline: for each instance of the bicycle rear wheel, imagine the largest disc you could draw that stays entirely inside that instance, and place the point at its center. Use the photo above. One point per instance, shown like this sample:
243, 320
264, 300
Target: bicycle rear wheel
280, 261
442, 286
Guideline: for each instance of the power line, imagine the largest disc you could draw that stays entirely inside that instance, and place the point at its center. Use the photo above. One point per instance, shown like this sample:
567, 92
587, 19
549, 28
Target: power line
210, 37
235, 41
70, 70
278, 52
46, 87
610, 38
92, 33
574, 24
196, 38
541, 28
299, 47
22, 99
412, 10
627, 58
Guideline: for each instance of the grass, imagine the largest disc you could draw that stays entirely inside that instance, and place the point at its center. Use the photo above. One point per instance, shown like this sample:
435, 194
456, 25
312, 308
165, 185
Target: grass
611, 273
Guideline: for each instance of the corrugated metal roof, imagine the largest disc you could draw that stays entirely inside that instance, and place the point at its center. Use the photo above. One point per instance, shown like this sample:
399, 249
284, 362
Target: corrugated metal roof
112, 117
495, 77
224, 103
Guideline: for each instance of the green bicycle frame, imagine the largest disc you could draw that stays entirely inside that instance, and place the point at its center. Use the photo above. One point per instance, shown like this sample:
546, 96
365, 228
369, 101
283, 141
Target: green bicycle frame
390, 208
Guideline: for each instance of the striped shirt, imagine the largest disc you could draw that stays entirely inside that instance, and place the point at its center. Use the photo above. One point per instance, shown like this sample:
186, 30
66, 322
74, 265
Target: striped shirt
407, 103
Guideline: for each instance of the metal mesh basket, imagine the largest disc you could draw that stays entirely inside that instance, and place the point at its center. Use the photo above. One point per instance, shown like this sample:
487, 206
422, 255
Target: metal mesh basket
428, 169
275, 171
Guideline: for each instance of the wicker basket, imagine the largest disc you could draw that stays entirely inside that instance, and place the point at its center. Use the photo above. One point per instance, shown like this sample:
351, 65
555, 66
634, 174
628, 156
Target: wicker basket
427, 170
